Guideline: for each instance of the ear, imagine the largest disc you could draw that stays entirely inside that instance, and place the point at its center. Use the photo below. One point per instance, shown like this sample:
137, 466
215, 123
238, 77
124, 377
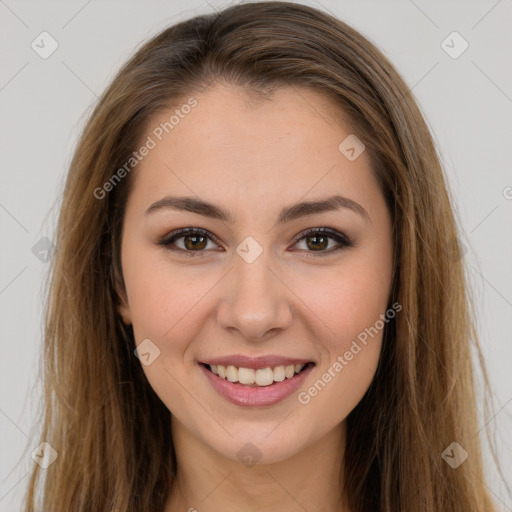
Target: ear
123, 307
119, 288
124, 311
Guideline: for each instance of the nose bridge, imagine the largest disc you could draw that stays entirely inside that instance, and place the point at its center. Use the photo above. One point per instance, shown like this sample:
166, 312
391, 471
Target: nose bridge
255, 299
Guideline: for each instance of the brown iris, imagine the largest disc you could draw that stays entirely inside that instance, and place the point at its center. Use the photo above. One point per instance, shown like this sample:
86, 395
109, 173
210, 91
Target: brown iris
195, 245
324, 243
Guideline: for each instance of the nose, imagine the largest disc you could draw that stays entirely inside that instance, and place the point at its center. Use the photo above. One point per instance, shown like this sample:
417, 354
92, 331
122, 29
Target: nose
256, 302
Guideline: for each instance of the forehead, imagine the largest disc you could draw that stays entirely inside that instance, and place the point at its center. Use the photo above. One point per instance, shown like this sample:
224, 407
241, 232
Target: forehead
255, 147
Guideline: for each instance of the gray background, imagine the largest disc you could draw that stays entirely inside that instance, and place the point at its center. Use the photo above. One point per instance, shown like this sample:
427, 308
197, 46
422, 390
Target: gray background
467, 102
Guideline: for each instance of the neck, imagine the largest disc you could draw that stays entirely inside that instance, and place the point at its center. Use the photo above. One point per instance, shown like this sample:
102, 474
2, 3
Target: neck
208, 481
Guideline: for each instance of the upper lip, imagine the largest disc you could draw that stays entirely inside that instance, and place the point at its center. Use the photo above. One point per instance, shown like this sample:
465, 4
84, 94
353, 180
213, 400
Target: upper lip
265, 361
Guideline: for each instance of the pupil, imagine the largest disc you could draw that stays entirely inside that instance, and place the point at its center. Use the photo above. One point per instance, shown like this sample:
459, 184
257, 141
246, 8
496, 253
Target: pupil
316, 238
194, 245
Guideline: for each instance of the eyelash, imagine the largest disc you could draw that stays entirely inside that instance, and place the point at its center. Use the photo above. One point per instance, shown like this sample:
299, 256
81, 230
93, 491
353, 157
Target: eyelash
340, 238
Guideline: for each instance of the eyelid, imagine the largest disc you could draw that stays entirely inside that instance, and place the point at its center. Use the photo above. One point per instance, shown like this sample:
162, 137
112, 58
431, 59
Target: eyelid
333, 233
342, 240
171, 237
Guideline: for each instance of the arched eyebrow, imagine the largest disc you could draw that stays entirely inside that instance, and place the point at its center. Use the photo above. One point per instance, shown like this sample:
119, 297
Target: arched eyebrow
287, 214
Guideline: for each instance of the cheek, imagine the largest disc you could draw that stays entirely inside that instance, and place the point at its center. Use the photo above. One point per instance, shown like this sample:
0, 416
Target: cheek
351, 304
159, 294
165, 305
351, 342
347, 301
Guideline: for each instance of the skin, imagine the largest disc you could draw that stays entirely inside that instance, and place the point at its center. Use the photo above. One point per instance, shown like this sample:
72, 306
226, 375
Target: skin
254, 158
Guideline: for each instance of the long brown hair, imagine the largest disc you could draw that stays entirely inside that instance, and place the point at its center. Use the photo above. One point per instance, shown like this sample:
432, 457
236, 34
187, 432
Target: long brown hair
111, 431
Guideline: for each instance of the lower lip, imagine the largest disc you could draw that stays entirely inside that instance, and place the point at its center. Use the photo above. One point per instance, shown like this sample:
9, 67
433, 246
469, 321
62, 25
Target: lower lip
253, 396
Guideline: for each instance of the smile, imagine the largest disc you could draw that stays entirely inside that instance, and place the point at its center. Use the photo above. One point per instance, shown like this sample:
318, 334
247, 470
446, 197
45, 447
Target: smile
256, 386
256, 377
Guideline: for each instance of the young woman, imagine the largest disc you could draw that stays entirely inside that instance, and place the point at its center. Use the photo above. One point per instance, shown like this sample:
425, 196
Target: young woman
257, 300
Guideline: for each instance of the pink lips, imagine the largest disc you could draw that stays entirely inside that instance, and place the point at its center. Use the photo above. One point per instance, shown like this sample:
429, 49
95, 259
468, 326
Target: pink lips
241, 394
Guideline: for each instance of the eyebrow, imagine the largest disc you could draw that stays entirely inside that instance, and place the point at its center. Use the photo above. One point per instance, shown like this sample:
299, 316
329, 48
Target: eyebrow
287, 214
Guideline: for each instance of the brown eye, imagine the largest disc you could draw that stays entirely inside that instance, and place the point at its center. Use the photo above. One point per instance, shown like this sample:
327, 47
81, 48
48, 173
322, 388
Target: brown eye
195, 241
317, 240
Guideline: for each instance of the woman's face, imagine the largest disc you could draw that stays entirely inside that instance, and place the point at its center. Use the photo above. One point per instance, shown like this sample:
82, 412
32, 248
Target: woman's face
252, 290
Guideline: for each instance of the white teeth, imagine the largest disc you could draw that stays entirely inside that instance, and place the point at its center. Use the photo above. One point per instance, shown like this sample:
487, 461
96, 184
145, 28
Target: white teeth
279, 373
246, 375
260, 377
264, 376
232, 373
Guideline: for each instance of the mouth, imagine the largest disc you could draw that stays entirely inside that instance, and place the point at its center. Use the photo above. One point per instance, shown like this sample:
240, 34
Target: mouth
263, 386
257, 377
